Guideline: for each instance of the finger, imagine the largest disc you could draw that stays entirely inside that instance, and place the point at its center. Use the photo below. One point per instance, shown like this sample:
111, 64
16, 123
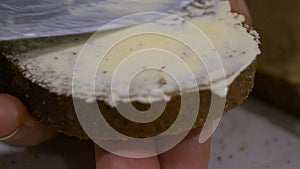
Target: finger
106, 160
189, 154
240, 7
17, 127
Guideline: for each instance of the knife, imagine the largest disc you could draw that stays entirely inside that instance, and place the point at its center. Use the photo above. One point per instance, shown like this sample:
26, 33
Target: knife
44, 18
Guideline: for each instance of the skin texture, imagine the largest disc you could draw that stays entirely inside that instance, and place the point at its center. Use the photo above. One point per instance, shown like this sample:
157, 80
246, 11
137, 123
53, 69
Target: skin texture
18, 128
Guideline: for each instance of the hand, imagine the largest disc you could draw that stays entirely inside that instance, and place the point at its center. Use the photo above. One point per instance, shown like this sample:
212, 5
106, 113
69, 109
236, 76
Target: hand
18, 128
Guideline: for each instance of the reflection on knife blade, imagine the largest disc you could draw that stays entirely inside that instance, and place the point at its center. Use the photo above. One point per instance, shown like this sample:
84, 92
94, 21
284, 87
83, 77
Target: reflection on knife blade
44, 18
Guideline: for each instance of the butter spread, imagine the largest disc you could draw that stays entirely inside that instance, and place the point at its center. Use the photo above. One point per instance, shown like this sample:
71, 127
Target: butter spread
156, 61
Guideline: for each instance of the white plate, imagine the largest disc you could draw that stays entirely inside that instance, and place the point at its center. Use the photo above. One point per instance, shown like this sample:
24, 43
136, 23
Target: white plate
253, 136
256, 136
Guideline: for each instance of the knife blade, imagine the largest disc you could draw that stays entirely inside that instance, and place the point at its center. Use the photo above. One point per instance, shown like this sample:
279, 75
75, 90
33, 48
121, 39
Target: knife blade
44, 18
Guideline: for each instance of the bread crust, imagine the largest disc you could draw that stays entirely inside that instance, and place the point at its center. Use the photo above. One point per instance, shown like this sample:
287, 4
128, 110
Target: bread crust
6, 74
57, 111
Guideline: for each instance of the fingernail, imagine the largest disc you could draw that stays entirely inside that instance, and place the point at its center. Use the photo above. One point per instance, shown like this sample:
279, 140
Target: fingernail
10, 136
19, 133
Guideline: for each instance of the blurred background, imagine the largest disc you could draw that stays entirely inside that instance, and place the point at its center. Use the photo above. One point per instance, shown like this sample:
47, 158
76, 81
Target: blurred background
278, 77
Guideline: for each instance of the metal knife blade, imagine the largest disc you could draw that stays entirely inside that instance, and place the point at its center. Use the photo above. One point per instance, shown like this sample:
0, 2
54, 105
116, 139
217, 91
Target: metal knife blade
45, 18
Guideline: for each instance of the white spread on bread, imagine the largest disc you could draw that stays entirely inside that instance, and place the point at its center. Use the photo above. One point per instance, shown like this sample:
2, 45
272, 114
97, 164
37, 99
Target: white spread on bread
51, 63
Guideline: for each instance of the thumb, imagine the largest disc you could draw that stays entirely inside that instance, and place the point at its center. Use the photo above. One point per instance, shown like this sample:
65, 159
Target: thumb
17, 127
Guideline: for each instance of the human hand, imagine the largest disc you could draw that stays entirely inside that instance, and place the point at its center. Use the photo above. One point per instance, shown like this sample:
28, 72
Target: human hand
18, 128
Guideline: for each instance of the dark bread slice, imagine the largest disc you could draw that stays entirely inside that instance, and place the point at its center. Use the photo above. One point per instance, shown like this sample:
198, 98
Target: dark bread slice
278, 77
58, 112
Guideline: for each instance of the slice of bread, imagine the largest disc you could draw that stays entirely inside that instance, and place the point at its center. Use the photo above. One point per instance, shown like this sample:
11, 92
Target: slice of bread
43, 70
278, 78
